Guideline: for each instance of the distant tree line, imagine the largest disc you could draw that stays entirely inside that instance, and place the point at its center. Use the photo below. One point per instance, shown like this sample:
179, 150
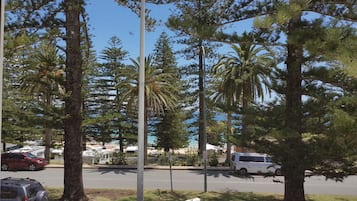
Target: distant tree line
300, 52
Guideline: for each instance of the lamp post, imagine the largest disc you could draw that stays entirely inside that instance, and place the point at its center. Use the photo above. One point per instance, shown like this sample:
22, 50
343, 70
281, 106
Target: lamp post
2, 21
141, 112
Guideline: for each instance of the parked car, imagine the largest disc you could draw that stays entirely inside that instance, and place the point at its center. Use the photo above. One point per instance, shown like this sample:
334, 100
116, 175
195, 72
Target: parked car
254, 163
18, 189
21, 161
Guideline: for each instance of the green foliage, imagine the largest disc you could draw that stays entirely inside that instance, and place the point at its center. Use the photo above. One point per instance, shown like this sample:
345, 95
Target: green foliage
215, 132
34, 82
194, 22
324, 140
302, 139
171, 132
328, 139
163, 159
213, 159
119, 158
104, 120
190, 159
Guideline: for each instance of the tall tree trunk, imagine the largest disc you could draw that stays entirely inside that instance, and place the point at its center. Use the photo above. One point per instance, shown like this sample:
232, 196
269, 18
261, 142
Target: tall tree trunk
245, 101
48, 131
48, 140
121, 143
84, 136
292, 168
201, 122
73, 175
229, 134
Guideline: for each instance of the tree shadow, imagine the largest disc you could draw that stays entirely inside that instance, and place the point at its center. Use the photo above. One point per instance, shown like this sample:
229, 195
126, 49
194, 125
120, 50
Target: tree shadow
214, 173
241, 176
229, 173
213, 196
121, 171
231, 195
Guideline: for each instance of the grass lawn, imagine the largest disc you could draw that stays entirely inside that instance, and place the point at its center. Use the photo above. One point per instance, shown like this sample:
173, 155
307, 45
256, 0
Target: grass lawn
164, 195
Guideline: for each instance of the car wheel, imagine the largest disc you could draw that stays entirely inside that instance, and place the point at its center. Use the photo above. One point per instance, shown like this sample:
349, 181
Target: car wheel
278, 172
4, 167
32, 167
243, 171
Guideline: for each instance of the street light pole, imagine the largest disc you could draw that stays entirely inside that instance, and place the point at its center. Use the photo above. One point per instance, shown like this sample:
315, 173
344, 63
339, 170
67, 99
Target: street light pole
2, 21
141, 112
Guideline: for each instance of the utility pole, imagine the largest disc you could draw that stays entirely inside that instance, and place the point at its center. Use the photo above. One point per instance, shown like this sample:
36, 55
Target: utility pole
2, 21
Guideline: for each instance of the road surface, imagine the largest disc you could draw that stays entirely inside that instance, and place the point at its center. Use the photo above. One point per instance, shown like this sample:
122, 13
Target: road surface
187, 180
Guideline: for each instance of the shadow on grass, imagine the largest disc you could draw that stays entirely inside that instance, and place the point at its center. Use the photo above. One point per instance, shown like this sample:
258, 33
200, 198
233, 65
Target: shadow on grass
242, 197
210, 196
166, 195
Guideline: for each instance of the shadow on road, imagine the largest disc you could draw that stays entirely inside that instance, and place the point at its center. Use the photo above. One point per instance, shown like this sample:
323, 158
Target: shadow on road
229, 174
215, 173
121, 171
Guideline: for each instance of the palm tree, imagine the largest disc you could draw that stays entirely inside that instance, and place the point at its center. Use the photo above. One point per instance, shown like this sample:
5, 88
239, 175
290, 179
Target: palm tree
45, 79
160, 91
240, 78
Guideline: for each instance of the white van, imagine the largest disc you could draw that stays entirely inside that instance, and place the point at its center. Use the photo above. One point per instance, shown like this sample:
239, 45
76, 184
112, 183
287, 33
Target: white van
254, 163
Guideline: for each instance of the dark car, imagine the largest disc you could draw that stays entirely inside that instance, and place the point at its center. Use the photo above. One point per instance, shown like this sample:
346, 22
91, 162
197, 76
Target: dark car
21, 161
16, 189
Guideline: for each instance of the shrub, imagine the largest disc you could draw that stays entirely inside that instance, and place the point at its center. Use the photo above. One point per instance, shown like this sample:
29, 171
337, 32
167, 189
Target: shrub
119, 158
213, 159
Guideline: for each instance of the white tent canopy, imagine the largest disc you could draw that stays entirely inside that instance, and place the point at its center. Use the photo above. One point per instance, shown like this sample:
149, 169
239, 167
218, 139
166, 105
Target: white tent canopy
213, 147
132, 149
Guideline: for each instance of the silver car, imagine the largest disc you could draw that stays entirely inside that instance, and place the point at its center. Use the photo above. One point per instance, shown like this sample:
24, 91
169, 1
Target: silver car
22, 189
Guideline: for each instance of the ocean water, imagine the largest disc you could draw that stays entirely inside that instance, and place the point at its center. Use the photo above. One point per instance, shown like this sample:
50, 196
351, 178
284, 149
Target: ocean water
192, 141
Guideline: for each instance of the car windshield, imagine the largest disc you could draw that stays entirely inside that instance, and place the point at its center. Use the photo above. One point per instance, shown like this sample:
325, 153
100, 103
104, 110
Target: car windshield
30, 155
268, 159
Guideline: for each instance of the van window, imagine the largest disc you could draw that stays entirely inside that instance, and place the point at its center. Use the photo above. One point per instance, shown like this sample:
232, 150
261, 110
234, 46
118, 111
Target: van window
259, 159
245, 158
251, 158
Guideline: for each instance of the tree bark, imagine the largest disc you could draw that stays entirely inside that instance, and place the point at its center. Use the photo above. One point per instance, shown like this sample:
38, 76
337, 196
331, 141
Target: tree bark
294, 172
292, 166
48, 131
73, 176
229, 134
201, 122
48, 139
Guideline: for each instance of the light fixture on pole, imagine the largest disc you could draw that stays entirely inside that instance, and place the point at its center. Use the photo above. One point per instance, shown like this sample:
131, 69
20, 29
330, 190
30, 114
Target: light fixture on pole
141, 112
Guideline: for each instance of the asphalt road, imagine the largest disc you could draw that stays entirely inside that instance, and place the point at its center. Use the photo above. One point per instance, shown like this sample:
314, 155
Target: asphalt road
187, 180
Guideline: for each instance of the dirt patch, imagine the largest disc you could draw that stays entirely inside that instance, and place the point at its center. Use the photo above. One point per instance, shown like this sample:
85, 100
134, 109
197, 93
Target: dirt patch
107, 194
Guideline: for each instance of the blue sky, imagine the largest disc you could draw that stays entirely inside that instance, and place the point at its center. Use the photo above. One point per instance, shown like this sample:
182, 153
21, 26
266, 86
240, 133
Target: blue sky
107, 19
